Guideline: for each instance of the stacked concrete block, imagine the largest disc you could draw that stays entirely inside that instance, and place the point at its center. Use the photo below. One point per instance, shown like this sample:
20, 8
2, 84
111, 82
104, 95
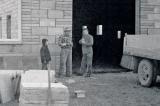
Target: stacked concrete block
37, 76
9, 84
149, 16
35, 90
6, 89
37, 95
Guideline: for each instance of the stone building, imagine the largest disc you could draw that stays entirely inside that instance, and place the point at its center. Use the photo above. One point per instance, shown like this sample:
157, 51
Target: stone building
148, 17
23, 23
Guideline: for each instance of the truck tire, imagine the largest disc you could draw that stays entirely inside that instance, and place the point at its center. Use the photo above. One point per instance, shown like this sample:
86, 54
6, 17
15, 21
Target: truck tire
146, 73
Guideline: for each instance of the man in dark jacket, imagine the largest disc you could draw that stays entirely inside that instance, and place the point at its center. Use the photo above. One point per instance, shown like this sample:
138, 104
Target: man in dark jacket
45, 54
87, 51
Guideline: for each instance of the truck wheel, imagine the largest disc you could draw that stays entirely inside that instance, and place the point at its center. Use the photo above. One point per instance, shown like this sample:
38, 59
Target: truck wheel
146, 73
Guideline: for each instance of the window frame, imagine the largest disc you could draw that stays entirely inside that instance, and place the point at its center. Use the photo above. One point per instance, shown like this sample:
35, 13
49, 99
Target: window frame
19, 38
9, 26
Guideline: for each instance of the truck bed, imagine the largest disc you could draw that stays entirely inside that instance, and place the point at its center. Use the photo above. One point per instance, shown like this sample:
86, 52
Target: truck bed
147, 46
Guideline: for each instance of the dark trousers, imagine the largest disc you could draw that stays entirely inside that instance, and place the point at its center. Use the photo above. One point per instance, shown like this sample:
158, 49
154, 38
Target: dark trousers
86, 64
44, 66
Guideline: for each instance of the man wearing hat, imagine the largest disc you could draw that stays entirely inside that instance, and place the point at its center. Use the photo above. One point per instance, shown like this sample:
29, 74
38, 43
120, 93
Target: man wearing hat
87, 51
65, 42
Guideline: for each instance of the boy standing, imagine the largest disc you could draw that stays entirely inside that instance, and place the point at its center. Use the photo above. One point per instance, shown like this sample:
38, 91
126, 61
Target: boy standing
45, 54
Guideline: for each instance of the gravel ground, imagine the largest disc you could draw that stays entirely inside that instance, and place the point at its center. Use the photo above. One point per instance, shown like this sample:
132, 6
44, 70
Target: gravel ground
110, 89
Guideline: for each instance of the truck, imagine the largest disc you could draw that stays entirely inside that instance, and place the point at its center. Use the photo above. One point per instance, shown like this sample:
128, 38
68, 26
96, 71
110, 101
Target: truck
141, 53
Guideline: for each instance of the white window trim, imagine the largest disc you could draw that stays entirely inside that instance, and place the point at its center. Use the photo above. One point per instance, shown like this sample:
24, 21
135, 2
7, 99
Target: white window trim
19, 40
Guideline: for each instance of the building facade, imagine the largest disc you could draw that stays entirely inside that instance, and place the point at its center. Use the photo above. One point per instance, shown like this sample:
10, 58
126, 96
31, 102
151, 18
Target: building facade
24, 23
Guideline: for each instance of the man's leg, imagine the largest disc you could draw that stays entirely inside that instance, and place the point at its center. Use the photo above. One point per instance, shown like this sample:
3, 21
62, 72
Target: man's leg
44, 66
69, 64
83, 64
62, 62
89, 65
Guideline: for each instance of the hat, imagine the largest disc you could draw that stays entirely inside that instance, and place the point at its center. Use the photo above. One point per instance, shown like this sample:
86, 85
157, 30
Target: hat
84, 27
67, 29
44, 41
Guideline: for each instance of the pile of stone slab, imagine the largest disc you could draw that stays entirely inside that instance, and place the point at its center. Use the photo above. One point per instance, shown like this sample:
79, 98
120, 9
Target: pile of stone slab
9, 84
35, 90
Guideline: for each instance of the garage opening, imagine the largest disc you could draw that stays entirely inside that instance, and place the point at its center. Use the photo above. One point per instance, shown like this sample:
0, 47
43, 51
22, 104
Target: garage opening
113, 15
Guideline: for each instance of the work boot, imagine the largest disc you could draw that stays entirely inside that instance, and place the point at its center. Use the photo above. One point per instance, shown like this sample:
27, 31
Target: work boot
58, 75
87, 75
79, 73
67, 75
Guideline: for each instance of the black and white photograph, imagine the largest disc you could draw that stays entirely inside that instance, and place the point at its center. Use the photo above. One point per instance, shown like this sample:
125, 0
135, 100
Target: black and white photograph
79, 52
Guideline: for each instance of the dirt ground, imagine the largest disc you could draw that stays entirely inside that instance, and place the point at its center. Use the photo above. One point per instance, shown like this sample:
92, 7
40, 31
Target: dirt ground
110, 89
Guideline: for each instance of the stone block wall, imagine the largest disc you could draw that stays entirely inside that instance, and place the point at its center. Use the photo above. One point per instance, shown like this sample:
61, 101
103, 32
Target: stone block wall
149, 16
39, 19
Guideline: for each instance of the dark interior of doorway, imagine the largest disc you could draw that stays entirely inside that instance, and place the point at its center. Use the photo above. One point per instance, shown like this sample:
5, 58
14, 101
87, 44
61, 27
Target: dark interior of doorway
114, 15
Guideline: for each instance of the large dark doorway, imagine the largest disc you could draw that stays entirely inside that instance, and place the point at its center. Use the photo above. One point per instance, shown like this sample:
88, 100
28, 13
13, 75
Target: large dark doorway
114, 15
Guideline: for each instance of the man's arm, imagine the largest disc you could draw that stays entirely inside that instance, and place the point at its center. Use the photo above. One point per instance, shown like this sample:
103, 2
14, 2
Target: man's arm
42, 53
71, 43
80, 41
90, 42
60, 41
47, 55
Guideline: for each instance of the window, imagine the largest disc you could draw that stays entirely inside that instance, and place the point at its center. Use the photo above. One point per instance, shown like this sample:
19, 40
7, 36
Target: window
8, 26
10, 30
10, 23
99, 29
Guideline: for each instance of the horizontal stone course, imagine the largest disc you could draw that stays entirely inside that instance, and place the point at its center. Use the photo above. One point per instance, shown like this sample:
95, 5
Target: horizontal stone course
47, 4
154, 2
157, 9
154, 16
25, 61
39, 30
154, 31
39, 13
157, 24
59, 7
68, 14
55, 14
55, 31
144, 30
47, 22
